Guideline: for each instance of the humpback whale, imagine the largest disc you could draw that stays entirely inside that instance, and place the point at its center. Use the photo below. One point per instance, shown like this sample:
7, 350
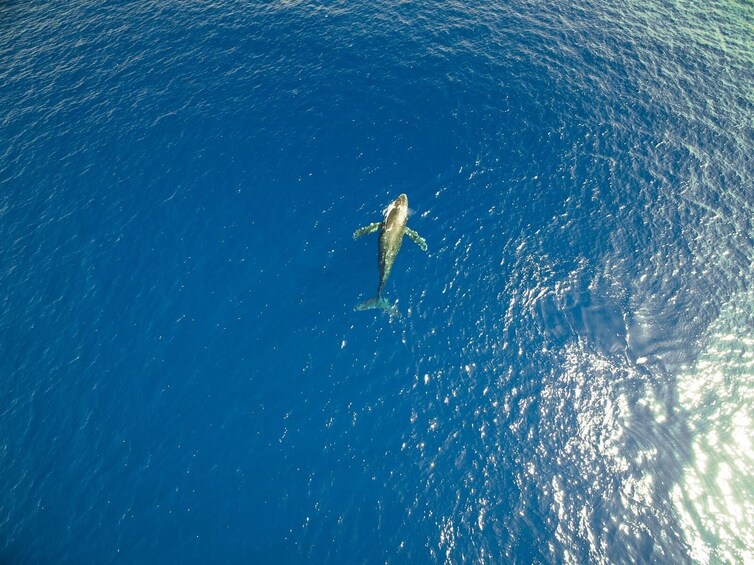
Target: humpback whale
392, 229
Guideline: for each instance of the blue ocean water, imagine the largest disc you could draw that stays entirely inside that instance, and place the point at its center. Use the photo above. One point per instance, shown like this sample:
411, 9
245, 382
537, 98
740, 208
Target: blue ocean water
183, 378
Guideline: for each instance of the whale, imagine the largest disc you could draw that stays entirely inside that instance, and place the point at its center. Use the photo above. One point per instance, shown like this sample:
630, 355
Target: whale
392, 228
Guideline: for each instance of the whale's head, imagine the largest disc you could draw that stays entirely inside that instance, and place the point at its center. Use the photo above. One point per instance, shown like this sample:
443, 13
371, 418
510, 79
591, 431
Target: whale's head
399, 205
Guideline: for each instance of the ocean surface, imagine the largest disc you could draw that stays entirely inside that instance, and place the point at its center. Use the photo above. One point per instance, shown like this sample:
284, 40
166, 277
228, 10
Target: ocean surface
183, 378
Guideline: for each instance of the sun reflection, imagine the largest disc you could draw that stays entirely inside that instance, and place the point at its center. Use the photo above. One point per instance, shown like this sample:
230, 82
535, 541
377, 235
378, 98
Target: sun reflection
715, 501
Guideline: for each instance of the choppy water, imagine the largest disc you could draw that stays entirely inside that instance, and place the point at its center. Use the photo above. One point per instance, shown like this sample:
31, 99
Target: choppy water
182, 376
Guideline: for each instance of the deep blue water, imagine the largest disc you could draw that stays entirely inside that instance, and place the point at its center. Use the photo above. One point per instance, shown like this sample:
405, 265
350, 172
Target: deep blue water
183, 378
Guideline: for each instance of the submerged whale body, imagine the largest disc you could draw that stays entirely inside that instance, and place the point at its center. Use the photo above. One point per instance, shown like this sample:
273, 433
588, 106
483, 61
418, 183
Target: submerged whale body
392, 229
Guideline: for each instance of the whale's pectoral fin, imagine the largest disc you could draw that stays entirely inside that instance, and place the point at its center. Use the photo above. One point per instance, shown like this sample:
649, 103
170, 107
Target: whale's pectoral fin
416, 238
371, 228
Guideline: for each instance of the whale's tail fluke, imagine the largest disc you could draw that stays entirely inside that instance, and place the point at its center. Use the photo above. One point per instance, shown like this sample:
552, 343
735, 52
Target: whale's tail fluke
378, 302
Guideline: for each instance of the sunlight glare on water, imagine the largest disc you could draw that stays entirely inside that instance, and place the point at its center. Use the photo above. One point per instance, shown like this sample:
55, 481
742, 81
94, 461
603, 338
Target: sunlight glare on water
715, 501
